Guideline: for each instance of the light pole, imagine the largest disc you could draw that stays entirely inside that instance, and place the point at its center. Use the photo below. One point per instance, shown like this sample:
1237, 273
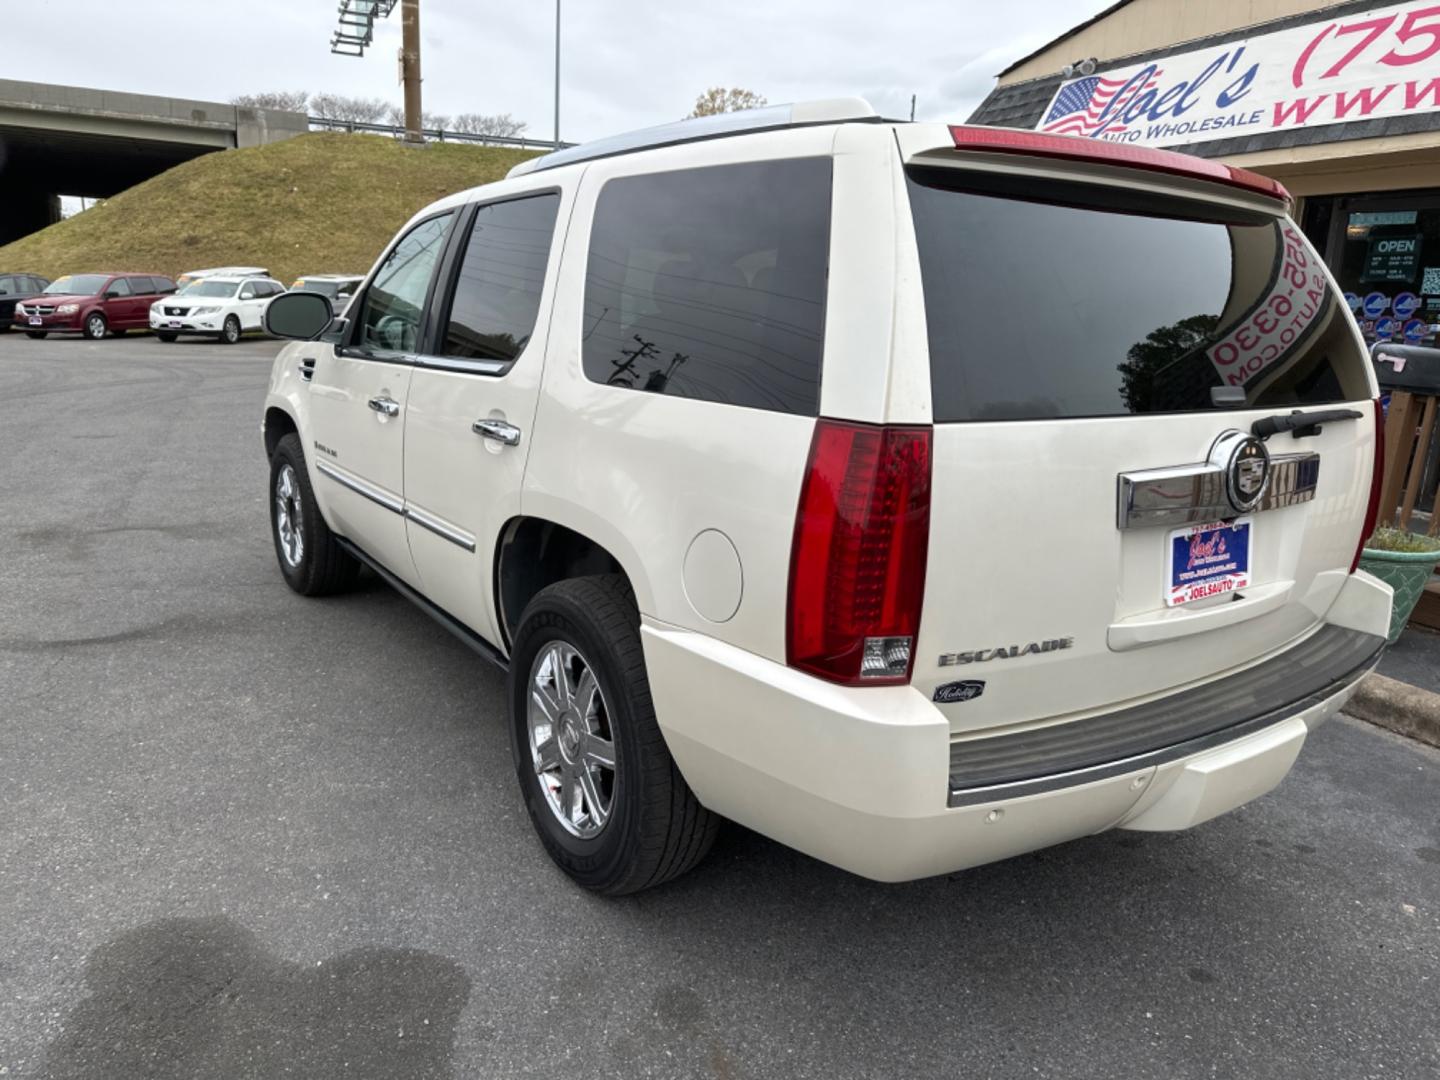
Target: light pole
557, 74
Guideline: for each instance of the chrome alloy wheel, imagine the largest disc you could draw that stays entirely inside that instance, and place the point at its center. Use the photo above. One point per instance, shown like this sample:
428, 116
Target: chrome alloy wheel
288, 522
571, 743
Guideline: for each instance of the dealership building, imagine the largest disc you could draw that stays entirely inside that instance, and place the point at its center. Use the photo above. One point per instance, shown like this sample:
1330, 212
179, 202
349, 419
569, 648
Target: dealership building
1339, 102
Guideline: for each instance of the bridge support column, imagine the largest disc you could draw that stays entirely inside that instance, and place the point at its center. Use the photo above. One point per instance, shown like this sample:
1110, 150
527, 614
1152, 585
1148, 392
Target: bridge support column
25, 209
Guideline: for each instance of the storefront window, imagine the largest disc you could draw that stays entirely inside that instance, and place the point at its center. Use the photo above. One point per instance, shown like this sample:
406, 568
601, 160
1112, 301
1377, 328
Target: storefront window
1385, 252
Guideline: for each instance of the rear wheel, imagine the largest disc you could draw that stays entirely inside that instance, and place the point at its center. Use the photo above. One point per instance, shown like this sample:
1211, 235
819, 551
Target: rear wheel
36, 334
602, 790
95, 326
311, 560
231, 332
166, 337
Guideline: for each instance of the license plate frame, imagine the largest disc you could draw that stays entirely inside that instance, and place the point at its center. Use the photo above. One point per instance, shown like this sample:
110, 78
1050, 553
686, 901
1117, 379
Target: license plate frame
36, 320
174, 324
1208, 560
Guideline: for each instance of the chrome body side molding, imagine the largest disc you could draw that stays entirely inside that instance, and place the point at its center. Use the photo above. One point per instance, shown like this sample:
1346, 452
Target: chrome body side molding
439, 526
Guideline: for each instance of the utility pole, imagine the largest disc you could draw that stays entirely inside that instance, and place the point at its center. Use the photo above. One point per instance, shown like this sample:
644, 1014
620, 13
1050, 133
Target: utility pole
410, 68
912, 108
557, 74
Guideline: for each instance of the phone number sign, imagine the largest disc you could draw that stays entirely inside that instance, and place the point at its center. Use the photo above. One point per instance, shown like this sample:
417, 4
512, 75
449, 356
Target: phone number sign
1282, 318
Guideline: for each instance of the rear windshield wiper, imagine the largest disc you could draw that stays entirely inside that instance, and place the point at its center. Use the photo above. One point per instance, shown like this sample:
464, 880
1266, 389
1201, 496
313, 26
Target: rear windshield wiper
1301, 424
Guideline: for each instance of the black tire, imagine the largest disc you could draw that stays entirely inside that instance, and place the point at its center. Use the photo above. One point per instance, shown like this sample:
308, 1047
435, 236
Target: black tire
165, 337
38, 335
118, 333
95, 326
656, 829
322, 566
230, 334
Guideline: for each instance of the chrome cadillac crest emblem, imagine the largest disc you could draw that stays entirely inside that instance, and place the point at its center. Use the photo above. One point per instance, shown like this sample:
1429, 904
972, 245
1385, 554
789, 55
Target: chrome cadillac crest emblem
1247, 473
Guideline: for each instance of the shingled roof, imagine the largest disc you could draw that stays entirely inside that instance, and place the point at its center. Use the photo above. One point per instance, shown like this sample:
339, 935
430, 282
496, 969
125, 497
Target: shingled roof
1022, 104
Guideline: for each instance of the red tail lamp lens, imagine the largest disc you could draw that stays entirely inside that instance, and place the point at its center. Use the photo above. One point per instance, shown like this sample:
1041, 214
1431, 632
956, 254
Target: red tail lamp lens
857, 566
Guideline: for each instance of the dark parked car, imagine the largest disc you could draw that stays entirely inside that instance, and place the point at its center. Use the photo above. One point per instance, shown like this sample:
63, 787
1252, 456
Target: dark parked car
93, 305
14, 288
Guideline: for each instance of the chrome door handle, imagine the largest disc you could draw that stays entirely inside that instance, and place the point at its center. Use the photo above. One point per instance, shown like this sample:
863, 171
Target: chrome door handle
498, 430
385, 406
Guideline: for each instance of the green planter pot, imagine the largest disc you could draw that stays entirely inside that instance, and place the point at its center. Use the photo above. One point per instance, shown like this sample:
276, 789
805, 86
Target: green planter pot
1407, 572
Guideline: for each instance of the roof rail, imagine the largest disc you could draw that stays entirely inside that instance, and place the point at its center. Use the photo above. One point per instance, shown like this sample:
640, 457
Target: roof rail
770, 118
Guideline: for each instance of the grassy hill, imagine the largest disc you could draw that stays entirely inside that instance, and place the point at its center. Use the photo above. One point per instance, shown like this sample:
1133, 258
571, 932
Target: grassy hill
319, 203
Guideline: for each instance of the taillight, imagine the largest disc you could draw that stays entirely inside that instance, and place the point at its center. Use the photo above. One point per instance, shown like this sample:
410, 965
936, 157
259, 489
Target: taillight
1072, 148
1377, 478
857, 566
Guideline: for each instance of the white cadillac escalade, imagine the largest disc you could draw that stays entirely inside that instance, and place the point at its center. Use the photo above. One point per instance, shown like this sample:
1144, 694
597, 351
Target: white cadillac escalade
914, 495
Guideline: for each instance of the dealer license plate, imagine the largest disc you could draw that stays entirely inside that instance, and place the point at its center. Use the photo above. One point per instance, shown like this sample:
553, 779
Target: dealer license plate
36, 320
174, 325
1207, 560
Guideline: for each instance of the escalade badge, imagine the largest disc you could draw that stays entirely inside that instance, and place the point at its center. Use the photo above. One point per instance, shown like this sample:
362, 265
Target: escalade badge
1247, 474
1004, 652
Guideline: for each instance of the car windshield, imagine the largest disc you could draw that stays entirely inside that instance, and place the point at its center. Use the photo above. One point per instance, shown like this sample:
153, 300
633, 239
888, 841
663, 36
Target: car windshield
210, 287
332, 289
78, 285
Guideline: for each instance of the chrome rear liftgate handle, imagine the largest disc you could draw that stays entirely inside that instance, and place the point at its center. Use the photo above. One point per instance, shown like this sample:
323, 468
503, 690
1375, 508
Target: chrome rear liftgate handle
498, 430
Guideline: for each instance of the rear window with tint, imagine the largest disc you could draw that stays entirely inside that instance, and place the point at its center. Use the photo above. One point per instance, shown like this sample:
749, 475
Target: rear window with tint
710, 283
1068, 303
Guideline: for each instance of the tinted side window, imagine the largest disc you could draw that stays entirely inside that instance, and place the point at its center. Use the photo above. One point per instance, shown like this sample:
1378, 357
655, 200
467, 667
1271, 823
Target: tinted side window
8, 285
395, 301
497, 294
38, 284
163, 285
710, 283
118, 287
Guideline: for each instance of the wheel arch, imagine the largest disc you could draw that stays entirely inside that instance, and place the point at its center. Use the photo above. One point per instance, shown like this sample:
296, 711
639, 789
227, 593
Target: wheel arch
278, 423
533, 552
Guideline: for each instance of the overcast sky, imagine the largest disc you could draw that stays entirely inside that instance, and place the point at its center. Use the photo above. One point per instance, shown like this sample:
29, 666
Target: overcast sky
625, 63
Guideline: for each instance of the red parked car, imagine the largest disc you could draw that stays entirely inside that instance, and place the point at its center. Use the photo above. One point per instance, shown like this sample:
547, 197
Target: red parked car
93, 305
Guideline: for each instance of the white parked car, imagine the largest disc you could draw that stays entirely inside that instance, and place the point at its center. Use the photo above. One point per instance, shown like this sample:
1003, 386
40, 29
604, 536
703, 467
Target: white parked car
338, 288
218, 307
221, 271
914, 495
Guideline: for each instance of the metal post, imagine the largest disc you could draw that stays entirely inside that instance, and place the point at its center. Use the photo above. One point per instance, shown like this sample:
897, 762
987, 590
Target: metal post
410, 69
557, 74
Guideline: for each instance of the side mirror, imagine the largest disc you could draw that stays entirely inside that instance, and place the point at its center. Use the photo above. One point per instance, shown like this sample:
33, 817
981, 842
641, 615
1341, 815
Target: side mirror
112, 294
301, 315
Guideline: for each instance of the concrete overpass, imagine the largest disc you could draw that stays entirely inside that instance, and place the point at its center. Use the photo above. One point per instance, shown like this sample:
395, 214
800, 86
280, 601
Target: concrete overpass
67, 140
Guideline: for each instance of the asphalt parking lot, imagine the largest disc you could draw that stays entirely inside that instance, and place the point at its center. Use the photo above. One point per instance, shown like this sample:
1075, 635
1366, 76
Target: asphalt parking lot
243, 834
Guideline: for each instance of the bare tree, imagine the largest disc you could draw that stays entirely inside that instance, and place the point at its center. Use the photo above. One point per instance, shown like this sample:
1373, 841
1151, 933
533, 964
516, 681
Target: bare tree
502, 126
429, 121
720, 100
288, 100
349, 110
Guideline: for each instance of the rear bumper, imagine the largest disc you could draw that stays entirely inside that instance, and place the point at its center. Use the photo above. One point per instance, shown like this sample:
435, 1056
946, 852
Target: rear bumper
863, 778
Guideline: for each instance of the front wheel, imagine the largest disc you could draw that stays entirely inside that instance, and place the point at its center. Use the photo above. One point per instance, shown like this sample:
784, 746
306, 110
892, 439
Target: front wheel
38, 335
166, 337
601, 788
311, 559
230, 334
95, 326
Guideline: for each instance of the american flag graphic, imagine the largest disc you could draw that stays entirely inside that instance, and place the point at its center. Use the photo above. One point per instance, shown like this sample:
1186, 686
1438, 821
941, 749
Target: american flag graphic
1077, 110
